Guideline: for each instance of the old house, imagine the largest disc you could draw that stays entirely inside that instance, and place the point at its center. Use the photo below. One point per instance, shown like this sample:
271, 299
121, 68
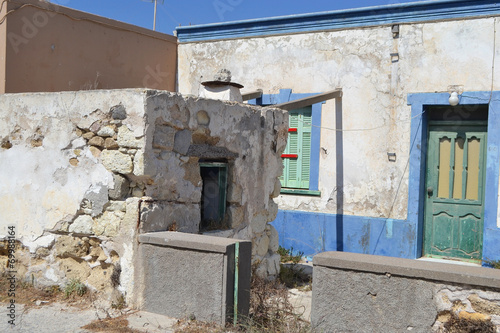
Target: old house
404, 161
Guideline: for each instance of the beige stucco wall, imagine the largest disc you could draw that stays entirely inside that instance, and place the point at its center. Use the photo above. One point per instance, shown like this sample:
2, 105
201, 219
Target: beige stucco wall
3, 37
432, 56
53, 48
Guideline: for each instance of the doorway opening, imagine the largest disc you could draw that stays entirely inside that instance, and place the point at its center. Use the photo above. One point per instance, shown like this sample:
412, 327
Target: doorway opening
455, 182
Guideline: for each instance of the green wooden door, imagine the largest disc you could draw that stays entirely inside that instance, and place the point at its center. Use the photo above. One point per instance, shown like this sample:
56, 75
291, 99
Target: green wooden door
454, 206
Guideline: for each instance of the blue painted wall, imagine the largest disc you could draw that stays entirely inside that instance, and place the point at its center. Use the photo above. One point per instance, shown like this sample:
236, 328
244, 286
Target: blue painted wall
313, 233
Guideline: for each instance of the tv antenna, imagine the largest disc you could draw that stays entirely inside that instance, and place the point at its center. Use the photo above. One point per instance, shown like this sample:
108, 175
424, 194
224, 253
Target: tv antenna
156, 4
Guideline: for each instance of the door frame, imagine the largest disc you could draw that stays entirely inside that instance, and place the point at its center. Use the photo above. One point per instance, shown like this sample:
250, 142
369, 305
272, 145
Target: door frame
418, 162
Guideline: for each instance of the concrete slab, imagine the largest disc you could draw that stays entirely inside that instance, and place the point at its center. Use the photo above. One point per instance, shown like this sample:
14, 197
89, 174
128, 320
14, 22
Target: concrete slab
188, 241
151, 322
51, 318
60, 317
451, 262
436, 271
301, 302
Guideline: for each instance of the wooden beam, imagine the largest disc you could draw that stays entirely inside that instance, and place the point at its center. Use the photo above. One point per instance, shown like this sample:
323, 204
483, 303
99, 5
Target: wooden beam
252, 95
303, 102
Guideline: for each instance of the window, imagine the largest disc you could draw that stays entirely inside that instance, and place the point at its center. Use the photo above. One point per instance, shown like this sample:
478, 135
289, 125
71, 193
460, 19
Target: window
297, 155
300, 174
213, 195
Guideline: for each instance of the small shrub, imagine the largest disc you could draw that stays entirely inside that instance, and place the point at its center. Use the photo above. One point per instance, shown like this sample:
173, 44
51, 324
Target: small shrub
288, 256
119, 304
493, 263
270, 309
290, 274
75, 287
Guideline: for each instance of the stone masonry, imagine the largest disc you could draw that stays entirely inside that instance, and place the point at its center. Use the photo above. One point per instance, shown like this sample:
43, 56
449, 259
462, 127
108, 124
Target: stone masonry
84, 172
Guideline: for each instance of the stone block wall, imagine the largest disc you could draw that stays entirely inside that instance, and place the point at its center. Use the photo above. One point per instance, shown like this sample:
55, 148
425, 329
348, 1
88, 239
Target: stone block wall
84, 172
166, 258
363, 293
182, 131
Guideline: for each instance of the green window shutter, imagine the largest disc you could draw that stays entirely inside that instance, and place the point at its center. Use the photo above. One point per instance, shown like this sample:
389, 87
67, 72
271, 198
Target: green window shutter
305, 149
296, 171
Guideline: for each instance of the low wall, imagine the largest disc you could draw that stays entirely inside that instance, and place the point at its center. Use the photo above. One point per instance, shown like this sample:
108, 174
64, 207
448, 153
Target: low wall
184, 275
365, 293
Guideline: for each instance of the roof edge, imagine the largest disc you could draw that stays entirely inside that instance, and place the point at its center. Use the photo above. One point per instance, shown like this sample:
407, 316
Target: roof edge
412, 12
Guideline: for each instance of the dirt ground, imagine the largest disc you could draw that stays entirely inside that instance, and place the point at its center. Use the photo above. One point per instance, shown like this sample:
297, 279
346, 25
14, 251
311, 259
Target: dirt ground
50, 311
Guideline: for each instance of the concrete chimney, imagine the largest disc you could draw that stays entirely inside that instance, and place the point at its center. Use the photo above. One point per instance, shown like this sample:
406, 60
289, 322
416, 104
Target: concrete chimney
222, 88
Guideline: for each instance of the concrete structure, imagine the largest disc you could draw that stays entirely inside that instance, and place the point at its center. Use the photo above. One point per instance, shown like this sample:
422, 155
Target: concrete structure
364, 293
366, 182
167, 259
83, 173
46, 47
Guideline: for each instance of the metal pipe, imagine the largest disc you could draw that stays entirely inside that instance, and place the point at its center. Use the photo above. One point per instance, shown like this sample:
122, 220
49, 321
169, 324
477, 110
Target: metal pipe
154, 20
236, 278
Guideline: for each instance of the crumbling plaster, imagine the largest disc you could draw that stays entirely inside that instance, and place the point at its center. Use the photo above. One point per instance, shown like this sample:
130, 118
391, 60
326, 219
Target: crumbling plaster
87, 171
430, 57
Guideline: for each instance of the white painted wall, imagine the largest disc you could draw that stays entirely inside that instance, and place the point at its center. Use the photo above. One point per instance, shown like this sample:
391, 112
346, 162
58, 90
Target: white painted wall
432, 56
40, 189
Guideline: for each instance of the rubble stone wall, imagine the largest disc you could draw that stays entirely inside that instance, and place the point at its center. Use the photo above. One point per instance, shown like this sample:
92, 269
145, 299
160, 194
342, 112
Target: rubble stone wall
83, 173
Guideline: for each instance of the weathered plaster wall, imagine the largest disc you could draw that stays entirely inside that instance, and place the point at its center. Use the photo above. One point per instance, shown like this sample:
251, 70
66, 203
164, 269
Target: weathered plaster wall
83, 172
374, 94
376, 73
62, 161
52, 48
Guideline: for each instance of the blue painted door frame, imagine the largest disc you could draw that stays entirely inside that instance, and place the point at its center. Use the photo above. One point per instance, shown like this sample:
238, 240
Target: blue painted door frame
418, 152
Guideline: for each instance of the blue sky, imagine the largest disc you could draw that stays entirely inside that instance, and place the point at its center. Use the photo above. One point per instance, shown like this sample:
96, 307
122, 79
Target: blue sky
173, 13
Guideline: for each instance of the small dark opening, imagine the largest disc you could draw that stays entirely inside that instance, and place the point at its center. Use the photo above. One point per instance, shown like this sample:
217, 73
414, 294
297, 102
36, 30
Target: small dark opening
213, 196
472, 112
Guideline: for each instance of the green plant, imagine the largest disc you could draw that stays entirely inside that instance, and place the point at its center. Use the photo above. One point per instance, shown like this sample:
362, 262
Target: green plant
493, 263
75, 286
288, 256
119, 304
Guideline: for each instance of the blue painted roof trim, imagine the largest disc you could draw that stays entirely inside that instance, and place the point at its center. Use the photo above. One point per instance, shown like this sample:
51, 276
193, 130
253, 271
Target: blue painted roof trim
331, 20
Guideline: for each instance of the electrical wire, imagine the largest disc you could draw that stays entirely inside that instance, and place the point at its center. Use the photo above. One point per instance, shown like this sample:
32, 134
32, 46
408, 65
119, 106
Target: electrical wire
360, 129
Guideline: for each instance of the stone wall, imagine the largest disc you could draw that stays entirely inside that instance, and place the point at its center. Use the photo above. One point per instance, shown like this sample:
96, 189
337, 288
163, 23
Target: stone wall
362, 293
181, 131
83, 172
166, 258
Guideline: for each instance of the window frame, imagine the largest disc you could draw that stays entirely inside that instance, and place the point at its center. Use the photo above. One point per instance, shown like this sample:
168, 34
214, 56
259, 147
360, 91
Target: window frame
286, 95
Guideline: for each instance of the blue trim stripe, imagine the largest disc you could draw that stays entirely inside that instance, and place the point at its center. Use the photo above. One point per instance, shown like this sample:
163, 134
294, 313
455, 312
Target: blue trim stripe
423, 11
